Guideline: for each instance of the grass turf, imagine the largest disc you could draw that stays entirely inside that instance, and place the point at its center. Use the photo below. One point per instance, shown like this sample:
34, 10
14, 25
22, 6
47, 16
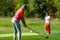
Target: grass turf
36, 24
52, 37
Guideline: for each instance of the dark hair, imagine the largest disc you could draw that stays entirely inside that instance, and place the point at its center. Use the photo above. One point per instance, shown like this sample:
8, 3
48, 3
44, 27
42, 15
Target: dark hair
47, 13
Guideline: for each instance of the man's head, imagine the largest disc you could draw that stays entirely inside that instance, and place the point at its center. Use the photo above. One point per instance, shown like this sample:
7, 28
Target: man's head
24, 6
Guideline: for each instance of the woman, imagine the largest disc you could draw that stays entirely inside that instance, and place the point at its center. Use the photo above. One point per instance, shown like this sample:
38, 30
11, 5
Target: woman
47, 23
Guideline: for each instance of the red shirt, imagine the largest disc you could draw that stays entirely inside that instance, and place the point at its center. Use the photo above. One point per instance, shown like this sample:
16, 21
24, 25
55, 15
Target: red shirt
19, 13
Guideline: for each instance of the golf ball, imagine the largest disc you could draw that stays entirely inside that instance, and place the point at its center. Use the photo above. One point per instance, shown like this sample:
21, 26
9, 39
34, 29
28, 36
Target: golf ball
31, 31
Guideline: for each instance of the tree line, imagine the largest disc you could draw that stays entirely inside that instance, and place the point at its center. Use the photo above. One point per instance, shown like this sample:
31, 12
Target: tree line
35, 8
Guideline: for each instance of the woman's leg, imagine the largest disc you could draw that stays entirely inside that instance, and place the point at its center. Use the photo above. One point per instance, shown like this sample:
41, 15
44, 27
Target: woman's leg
48, 28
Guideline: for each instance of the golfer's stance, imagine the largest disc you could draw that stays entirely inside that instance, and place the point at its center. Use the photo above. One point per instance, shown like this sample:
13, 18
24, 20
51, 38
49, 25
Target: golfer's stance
47, 23
18, 16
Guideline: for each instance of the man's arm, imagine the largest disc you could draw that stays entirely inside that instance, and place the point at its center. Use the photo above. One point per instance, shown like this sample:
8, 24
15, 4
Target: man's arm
23, 21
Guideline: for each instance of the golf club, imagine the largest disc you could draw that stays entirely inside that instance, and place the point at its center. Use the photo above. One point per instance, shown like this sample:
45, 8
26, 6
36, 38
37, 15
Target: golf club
37, 33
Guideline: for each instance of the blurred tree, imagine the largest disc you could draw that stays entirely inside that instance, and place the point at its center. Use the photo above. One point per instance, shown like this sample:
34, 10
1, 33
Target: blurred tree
11, 7
35, 8
57, 4
52, 8
6, 7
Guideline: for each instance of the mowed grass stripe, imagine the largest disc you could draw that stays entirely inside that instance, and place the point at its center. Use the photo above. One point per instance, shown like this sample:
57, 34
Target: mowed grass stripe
28, 34
23, 34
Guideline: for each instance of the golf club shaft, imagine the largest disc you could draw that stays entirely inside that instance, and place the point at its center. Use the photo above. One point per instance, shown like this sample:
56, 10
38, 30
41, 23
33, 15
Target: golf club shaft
35, 32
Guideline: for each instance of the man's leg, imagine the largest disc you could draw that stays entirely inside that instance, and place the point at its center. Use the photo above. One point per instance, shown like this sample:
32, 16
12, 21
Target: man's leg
18, 29
15, 32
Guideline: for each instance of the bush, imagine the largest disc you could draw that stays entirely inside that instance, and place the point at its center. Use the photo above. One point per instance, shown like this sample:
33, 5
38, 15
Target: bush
57, 14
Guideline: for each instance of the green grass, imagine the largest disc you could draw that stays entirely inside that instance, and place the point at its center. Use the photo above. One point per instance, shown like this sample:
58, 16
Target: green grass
36, 24
52, 37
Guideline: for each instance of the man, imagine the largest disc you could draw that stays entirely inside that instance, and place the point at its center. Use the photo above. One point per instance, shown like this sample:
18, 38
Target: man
47, 23
18, 16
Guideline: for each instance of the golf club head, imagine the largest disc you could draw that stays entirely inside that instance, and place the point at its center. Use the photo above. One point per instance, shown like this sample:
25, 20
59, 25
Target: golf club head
46, 37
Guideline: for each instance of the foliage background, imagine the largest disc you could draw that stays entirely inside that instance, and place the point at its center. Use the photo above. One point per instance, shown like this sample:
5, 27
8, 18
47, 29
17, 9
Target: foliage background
35, 8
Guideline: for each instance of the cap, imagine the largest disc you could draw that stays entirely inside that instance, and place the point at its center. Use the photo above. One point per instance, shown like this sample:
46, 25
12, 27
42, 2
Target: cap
24, 5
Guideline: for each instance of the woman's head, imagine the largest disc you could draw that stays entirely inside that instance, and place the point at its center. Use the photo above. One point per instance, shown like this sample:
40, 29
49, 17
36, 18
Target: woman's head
47, 13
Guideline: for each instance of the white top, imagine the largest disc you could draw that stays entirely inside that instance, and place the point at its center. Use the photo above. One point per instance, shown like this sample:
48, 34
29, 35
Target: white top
47, 18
